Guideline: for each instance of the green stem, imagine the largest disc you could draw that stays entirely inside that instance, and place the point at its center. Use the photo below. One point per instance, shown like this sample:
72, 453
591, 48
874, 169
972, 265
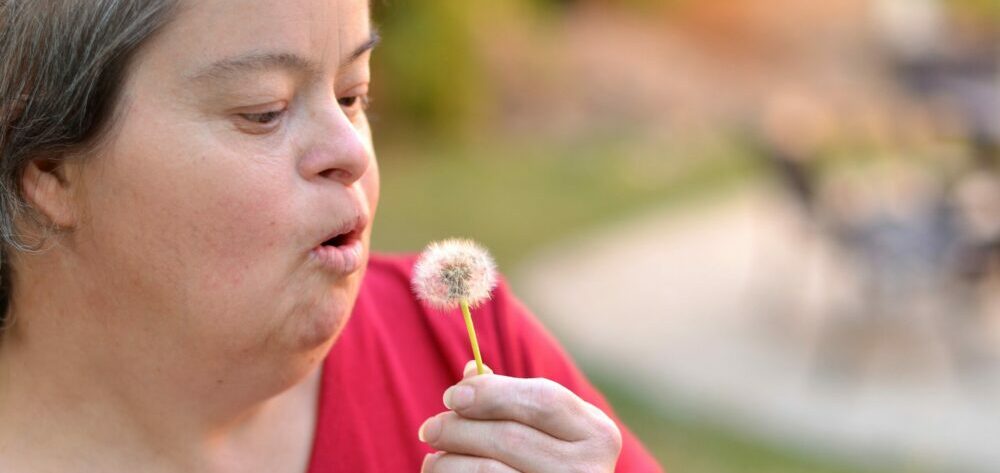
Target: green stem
472, 336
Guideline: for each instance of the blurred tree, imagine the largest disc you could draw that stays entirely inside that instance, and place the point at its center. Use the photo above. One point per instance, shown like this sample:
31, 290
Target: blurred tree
432, 75
428, 77
988, 8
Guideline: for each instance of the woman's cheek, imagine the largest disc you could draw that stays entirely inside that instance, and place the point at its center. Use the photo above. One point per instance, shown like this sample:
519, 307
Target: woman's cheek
234, 223
371, 185
243, 230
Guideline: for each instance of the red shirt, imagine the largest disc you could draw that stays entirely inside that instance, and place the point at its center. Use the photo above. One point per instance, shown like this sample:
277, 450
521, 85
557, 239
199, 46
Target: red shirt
386, 373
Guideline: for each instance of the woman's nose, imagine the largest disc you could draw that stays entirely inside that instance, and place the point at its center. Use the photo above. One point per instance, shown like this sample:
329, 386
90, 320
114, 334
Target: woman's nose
337, 150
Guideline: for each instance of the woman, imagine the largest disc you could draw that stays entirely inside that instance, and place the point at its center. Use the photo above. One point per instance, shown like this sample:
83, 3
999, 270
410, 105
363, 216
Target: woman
188, 190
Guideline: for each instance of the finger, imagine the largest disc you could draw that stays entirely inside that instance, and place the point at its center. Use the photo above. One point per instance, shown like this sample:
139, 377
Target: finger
517, 445
540, 403
453, 463
470, 369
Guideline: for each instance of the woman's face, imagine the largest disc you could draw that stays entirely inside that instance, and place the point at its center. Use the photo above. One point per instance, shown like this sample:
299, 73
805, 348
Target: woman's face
242, 146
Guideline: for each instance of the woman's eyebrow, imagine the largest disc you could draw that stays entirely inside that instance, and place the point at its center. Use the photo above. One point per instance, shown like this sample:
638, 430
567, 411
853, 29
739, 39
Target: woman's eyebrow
254, 62
260, 61
373, 39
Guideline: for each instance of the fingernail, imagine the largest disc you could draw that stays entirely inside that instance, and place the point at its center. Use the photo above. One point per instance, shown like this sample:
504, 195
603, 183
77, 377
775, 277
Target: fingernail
470, 369
459, 397
430, 431
429, 460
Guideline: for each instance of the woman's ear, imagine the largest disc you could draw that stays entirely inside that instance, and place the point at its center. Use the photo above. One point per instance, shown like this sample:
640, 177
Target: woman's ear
48, 188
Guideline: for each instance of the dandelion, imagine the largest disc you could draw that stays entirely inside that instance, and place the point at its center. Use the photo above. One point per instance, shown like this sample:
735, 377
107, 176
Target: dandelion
456, 273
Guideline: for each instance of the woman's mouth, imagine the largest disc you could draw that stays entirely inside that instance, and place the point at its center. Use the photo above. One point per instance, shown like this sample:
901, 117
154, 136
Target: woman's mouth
343, 252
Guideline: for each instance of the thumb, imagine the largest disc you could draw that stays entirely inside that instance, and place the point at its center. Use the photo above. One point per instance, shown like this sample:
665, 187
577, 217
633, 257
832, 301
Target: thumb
470, 369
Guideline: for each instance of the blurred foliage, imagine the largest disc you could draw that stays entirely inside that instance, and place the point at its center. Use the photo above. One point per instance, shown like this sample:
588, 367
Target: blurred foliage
987, 8
516, 198
431, 81
429, 77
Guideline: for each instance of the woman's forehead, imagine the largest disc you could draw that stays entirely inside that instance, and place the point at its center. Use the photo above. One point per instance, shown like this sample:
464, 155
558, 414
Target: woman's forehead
209, 37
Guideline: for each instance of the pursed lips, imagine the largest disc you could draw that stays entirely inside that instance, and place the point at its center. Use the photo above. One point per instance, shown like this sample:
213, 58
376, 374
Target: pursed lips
342, 249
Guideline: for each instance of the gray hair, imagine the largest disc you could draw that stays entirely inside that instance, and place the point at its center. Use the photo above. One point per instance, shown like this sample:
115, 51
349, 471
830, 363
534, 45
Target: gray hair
62, 64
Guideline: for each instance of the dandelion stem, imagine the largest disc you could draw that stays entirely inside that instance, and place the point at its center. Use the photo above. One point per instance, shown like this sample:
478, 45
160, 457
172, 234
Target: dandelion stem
472, 336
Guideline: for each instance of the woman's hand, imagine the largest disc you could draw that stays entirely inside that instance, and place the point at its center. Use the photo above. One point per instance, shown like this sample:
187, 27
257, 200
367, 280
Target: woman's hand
507, 425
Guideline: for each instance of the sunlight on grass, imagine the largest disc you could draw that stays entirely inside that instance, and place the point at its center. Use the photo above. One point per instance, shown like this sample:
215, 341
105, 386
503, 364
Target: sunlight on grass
516, 199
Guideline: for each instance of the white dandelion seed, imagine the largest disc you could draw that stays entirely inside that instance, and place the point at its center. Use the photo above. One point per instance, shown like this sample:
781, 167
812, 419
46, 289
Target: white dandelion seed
454, 270
456, 273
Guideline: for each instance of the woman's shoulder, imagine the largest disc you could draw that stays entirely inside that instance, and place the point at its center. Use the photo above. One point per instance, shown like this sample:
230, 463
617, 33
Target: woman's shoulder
399, 260
388, 275
391, 265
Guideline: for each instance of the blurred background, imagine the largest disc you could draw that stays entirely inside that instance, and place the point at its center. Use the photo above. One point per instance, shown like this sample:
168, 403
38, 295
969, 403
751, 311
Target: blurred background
768, 229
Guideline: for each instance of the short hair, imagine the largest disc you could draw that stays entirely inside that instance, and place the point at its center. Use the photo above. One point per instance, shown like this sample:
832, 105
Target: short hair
62, 66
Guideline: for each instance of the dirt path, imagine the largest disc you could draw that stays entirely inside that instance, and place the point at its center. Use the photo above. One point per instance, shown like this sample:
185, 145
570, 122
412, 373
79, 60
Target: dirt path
738, 310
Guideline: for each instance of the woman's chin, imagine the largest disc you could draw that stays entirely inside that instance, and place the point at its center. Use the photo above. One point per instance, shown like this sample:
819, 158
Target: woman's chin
321, 329
309, 319
320, 326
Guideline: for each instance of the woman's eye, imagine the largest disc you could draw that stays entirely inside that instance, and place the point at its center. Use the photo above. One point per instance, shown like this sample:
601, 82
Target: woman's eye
354, 102
264, 118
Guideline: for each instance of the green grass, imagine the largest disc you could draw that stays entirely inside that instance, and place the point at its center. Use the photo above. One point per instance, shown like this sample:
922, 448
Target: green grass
517, 198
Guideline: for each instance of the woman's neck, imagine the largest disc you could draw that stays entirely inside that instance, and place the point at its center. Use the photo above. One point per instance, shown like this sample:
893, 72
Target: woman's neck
70, 392
45, 420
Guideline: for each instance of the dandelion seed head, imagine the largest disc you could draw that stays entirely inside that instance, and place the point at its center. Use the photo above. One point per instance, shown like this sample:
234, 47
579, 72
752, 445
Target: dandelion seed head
452, 270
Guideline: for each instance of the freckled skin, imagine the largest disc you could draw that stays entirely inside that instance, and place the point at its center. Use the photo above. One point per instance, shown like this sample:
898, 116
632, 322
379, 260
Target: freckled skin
195, 224
216, 225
